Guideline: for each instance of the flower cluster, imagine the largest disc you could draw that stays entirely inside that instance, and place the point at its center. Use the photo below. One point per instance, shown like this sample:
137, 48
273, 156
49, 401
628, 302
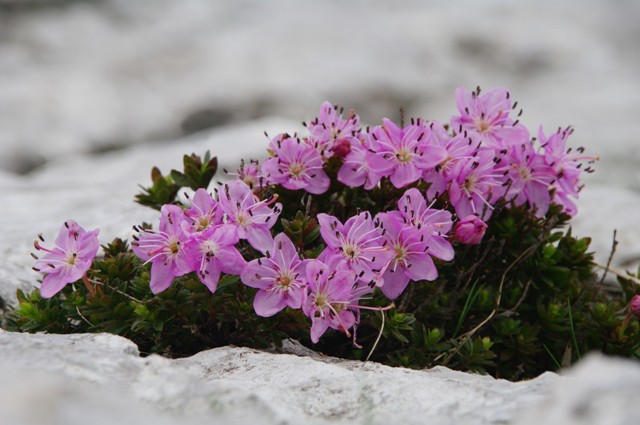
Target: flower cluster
482, 157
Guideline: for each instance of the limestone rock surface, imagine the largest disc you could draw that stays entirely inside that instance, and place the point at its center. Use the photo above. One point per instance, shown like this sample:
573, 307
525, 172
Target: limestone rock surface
101, 379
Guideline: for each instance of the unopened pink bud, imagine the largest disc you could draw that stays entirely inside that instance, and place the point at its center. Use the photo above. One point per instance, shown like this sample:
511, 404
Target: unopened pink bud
634, 305
341, 148
470, 230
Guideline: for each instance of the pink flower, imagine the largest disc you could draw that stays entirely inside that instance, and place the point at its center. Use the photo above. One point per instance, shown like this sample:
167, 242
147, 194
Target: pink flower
634, 305
487, 114
279, 277
530, 177
477, 185
203, 213
330, 133
361, 167
296, 165
249, 173
470, 230
566, 165
411, 260
461, 147
358, 244
407, 149
252, 217
212, 251
164, 248
436, 224
69, 260
331, 299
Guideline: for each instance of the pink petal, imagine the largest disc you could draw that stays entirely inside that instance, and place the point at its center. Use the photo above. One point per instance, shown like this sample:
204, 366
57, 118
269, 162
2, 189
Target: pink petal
51, 285
259, 237
161, 276
404, 174
211, 278
328, 233
266, 304
422, 267
394, 283
231, 261
318, 327
440, 248
257, 275
319, 183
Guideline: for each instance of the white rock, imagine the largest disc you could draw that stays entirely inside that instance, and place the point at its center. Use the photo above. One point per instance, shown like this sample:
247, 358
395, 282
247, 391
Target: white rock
598, 391
74, 379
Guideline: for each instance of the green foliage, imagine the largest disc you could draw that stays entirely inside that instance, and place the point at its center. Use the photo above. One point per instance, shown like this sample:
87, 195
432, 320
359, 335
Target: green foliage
524, 301
197, 174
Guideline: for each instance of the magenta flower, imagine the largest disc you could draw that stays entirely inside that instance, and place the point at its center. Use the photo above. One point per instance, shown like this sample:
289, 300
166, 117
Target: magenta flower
279, 277
436, 224
411, 260
461, 147
358, 244
477, 185
203, 213
470, 230
330, 133
212, 252
296, 165
252, 217
69, 260
530, 177
488, 115
361, 167
567, 166
164, 248
249, 173
407, 149
634, 305
331, 299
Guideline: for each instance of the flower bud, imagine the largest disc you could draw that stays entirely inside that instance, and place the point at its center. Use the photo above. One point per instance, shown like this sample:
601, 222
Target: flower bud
470, 230
634, 305
341, 148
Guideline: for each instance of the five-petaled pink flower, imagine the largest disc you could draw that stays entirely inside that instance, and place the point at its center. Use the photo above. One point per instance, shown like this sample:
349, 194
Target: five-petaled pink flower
358, 244
212, 252
296, 165
69, 260
331, 300
203, 213
279, 277
329, 133
164, 248
252, 217
411, 260
407, 149
487, 114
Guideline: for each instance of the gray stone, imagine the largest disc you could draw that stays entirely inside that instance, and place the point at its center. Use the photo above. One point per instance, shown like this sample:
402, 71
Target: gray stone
100, 379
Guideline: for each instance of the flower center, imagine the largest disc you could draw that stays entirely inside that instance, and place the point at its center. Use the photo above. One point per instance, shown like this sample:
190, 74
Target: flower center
350, 250
482, 125
242, 219
404, 156
203, 222
210, 248
525, 173
470, 182
174, 247
71, 259
296, 169
284, 280
401, 252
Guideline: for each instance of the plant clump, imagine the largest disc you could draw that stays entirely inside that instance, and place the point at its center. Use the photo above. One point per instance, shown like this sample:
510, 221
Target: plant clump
415, 245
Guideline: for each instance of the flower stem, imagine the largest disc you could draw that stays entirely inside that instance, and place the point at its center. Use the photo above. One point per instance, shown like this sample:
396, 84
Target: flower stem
91, 289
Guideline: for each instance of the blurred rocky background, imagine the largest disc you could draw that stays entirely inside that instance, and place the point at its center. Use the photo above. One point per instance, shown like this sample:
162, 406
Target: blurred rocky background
91, 76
